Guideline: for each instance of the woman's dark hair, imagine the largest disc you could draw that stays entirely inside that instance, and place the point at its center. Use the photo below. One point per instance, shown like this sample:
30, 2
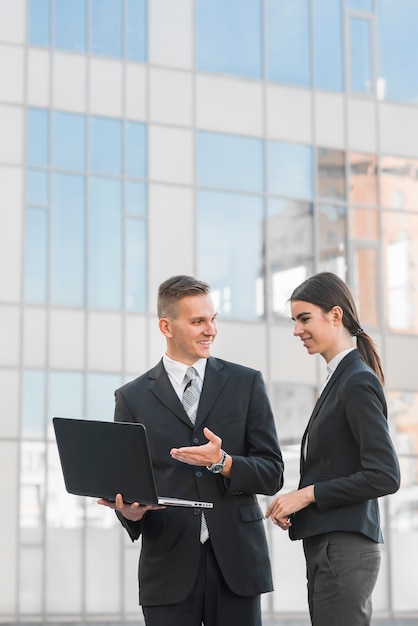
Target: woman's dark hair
327, 290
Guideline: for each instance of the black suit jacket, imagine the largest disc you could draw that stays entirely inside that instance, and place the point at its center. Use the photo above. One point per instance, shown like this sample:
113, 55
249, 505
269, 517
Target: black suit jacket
234, 405
350, 459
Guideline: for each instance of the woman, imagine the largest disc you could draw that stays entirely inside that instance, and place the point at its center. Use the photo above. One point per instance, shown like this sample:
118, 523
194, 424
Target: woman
347, 459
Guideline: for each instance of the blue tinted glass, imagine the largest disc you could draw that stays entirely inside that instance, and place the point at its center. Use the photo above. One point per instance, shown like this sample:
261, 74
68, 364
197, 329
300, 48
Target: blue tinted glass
66, 394
398, 49
36, 255
105, 146
69, 138
229, 162
288, 41
290, 170
100, 392
136, 150
39, 22
230, 251
135, 198
33, 404
228, 37
361, 5
105, 244
328, 44
70, 25
360, 59
37, 187
67, 240
37, 137
106, 27
135, 264
136, 30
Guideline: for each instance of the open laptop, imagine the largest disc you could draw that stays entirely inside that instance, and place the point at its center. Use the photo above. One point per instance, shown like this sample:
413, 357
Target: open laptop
102, 459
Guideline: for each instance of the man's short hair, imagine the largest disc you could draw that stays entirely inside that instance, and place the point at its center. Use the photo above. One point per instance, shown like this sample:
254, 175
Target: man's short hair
174, 289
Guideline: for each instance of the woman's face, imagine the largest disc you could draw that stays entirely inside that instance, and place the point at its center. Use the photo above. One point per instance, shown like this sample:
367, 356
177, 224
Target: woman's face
320, 332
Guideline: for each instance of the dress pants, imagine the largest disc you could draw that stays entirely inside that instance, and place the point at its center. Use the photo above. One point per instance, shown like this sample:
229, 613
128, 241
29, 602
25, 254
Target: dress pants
210, 601
342, 569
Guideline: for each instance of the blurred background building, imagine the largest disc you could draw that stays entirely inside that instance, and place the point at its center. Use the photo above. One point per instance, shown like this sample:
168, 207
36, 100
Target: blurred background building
248, 142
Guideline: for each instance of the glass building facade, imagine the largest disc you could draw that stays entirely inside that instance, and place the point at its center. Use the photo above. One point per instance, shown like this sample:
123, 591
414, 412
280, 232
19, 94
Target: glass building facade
248, 142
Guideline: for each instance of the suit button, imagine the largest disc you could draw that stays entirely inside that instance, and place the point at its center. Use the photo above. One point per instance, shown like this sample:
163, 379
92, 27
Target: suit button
196, 440
196, 512
199, 474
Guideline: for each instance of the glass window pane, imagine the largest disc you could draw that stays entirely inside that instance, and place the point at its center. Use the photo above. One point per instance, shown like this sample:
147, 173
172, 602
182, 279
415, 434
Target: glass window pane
331, 174
328, 44
230, 251
136, 265
32, 492
136, 150
65, 396
290, 169
397, 43
229, 162
105, 244
364, 224
290, 248
36, 255
399, 183
228, 37
100, 395
31, 577
360, 5
37, 147
362, 178
105, 146
360, 55
68, 240
39, 22
70, 25
332, 239
365, 284
135, 198
288, 41
106, 27
400, 256
69, 140
136, 30
37, 187
33, 404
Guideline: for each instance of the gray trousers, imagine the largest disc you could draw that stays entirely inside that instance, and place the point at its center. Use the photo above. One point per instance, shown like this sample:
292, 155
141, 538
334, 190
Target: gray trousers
342, 569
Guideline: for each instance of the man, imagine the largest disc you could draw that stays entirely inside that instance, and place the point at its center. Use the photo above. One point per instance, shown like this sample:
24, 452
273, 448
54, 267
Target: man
196, 567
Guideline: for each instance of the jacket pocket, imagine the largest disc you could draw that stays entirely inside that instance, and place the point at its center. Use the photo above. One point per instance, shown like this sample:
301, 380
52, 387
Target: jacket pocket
251, 513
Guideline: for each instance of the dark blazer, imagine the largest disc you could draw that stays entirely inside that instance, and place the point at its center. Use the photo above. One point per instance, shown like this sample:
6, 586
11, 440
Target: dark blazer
234, 405
351, 459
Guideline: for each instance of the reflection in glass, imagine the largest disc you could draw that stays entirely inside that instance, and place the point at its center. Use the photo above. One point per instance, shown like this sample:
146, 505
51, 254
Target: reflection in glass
105, 146
292, 405
31, 569
331, 174
136, 30
32, 490
63, 510
365, 284
36, 255
69, 137
37, 148
360, 55
135, 264
33, 404
400, 255
228, 37
288, 42
39, 22
362, 178
328, 45
37, 187
290, 169
67, 240
364, 224
229, 162
70, 25
332, 239
397, 49
360, 5
230, 251
100, 395
65, 396
106, 27
136, 150
399, 183
290, 248
135, 198
105, 243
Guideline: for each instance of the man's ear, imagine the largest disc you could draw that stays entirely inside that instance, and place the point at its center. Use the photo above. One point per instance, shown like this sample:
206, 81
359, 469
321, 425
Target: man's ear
165, 326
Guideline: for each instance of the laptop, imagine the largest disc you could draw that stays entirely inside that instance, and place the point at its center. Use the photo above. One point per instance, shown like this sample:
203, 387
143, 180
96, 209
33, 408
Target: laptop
102, 459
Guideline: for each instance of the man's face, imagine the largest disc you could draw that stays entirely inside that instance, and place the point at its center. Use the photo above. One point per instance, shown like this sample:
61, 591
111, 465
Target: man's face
191, 333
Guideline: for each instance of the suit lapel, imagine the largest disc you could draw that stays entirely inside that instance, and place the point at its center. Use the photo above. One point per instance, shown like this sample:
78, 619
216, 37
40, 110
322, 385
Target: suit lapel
215, 378
161, 387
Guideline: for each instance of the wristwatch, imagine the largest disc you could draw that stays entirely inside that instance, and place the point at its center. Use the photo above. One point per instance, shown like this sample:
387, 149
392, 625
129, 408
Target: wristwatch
217, 468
